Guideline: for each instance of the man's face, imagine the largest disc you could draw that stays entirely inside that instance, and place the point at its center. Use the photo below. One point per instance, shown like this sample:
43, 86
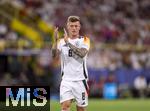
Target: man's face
73, 28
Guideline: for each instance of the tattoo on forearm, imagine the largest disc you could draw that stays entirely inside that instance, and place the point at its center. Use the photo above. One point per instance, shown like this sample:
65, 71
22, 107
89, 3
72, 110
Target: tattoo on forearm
55, 51
79, 51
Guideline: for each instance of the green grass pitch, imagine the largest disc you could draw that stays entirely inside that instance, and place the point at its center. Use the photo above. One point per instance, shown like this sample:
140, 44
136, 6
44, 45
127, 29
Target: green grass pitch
110, 105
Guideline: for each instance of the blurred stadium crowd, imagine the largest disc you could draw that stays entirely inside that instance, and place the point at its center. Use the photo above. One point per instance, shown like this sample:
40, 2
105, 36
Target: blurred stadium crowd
120, 42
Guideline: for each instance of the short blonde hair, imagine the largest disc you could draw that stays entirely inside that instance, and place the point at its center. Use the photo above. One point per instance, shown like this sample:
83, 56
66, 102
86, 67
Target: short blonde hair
73, 19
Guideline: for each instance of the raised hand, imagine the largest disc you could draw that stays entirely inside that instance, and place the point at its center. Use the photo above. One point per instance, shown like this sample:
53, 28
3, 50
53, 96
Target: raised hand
65, 35
55, 51
56, 37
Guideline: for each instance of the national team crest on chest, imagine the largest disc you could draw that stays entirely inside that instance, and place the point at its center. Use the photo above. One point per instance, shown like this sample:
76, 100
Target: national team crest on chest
77, 43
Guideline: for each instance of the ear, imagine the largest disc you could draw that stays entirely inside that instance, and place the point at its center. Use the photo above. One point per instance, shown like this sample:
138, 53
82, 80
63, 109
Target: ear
79, 26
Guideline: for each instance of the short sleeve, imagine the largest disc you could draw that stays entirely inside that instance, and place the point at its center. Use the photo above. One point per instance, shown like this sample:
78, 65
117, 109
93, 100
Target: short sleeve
86, 43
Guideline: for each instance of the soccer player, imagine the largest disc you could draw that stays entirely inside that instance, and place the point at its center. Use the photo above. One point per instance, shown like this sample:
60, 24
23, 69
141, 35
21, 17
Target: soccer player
73, 49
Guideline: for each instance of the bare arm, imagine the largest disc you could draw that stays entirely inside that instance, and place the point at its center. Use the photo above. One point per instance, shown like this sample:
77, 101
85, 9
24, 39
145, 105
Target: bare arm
55, 51
79, 51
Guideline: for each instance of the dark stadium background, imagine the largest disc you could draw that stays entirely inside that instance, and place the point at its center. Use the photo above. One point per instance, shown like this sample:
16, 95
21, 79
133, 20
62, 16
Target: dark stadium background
120, 44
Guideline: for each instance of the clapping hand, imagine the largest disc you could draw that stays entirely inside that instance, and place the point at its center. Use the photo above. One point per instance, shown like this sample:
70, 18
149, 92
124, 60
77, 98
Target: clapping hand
65, 36
56, 33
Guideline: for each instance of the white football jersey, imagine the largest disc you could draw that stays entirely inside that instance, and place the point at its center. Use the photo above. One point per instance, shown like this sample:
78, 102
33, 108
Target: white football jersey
73, 67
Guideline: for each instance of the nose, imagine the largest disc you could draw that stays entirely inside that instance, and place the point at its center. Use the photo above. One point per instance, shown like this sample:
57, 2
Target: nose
74, 27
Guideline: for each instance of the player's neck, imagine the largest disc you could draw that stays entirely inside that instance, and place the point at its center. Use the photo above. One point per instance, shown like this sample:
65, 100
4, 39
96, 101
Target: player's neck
74, 36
